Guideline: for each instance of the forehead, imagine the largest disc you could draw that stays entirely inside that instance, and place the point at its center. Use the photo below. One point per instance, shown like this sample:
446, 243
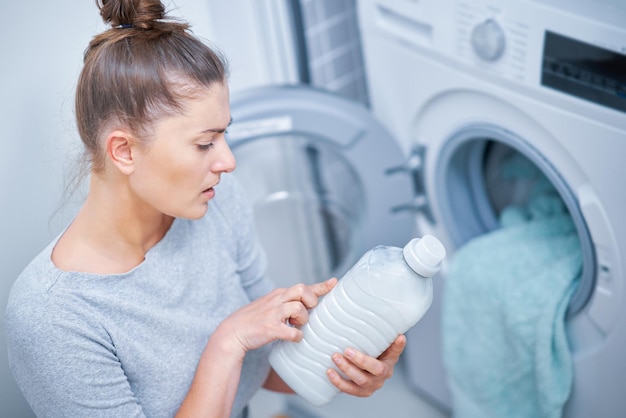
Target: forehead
215, 97
205, 109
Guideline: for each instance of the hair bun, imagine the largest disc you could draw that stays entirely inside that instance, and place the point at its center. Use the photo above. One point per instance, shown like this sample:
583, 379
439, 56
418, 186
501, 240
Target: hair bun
142, 14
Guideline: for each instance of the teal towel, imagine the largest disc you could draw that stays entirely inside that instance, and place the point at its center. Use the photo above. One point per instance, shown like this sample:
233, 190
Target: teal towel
505, 348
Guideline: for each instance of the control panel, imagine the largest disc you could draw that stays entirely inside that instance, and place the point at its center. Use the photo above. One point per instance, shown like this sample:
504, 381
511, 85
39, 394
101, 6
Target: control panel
492, 40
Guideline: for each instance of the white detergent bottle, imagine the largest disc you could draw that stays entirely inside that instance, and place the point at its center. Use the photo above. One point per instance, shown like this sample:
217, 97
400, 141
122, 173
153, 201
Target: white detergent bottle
383, 295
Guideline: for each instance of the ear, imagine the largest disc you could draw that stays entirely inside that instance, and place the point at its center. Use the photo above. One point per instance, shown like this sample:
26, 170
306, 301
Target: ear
119, 146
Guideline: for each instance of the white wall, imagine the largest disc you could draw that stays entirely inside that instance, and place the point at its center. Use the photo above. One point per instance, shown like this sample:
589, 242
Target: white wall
41, 50
255, 36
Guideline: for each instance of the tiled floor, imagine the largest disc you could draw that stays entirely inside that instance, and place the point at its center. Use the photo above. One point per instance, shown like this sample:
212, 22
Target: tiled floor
394, 400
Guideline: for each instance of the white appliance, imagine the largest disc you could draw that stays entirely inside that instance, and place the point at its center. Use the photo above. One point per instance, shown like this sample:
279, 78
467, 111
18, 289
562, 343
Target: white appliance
461, 82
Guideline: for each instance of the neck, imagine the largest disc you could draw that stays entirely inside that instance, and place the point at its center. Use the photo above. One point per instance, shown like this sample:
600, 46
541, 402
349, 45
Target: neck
112, 232
119, 216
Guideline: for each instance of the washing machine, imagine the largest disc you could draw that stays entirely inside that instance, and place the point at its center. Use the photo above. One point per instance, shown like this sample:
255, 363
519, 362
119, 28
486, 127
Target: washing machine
461, 83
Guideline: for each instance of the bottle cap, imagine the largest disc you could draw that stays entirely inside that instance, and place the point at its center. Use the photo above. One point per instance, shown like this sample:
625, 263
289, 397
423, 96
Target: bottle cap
424, 255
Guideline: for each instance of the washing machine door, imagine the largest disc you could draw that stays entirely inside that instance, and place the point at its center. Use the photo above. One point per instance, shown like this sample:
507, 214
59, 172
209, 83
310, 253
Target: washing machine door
322, 176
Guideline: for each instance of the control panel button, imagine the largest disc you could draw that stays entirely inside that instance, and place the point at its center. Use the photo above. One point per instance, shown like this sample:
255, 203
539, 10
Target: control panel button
488, 40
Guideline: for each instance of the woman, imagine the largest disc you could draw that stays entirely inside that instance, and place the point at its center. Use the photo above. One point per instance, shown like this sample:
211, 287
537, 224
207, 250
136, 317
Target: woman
153, 301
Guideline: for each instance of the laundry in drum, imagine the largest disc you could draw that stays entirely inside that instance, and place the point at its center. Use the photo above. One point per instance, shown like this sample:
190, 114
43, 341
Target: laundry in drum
504, 305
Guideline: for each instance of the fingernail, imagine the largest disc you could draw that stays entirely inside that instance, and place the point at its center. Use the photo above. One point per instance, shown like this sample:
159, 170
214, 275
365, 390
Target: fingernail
331, 373
350, 352
336, 358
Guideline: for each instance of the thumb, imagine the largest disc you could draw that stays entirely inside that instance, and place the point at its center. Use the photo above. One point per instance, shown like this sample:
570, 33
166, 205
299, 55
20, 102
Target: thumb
395, 349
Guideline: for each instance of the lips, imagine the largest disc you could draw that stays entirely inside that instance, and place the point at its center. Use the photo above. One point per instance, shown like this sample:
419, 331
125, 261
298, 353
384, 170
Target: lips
208, 194
210, 189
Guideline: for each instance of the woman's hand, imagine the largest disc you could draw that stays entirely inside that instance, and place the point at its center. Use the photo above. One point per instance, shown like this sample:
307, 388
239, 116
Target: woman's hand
214, 386
266, 319
366, 374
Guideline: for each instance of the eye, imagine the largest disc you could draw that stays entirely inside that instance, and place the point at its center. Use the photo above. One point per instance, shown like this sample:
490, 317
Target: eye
205, 147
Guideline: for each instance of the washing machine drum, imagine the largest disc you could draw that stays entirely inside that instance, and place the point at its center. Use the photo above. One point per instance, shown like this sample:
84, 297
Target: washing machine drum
473, 189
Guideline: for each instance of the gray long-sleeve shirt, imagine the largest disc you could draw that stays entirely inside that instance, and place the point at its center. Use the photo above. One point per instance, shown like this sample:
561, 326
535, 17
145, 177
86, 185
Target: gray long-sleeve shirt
127, 345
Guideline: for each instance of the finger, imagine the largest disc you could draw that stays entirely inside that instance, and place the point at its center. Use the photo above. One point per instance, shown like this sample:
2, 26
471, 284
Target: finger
345, 386
316, 290
295, 313
363, 386
289, 333
294, 292
300, 315
363, 362
308, 295
359, 376
320, 289
301, 293
394, 351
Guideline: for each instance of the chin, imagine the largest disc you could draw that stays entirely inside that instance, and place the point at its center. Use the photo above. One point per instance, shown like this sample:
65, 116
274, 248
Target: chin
193, 211
197, 214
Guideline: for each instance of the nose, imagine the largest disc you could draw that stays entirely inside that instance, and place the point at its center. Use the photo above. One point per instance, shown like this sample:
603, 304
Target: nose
226, 161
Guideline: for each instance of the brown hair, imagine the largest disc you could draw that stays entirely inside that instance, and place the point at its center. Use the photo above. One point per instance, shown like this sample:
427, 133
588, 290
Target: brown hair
138, 70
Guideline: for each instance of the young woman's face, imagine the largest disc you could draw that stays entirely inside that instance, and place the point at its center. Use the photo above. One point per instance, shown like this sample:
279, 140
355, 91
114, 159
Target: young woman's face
177, 171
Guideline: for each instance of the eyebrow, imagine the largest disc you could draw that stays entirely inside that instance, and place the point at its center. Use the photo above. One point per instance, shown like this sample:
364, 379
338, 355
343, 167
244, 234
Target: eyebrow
218, 130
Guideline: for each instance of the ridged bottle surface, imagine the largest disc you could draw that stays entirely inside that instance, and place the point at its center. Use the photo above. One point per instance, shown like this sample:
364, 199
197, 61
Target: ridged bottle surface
384, 294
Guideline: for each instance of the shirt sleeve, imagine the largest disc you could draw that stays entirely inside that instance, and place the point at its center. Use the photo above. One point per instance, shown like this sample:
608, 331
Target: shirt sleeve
64, 361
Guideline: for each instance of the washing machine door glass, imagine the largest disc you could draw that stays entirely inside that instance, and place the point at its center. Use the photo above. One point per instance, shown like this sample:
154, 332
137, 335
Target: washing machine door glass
474, 189
316, 170
308, 204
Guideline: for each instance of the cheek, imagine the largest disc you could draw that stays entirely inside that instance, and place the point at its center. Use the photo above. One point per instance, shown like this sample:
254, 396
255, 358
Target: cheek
156, 177
169, 164
185, 176
179, 178
171, 174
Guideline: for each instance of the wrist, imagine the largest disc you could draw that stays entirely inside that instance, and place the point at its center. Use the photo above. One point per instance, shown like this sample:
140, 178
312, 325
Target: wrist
215, 382
225, 344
